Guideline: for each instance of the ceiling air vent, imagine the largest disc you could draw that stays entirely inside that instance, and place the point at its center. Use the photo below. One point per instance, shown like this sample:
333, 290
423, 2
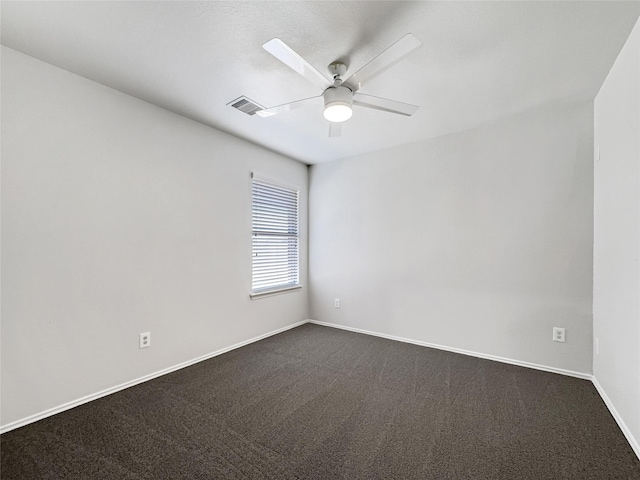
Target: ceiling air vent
246, 105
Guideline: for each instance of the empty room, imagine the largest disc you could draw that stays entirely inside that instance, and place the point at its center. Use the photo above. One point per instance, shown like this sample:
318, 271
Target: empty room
320, 240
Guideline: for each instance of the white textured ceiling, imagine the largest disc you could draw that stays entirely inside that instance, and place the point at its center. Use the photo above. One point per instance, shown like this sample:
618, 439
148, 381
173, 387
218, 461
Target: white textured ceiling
480, 60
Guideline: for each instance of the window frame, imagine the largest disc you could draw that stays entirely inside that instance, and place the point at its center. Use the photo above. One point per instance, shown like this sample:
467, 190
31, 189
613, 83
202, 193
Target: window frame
282, 287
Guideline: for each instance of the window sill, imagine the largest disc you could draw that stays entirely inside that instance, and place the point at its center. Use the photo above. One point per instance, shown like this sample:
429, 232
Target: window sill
278, 291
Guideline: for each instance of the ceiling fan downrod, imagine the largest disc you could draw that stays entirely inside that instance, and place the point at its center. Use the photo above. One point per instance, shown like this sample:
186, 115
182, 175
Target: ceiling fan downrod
337, 71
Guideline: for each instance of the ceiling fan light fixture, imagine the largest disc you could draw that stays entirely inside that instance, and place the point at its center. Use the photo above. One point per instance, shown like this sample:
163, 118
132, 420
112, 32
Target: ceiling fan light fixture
338, 103
338, 112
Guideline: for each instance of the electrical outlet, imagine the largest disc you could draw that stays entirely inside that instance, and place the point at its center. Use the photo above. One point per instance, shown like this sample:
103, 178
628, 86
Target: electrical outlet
145, 339
558, 334
336, 302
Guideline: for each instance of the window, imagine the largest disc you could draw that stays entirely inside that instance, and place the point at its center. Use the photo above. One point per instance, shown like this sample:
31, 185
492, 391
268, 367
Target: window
275, 238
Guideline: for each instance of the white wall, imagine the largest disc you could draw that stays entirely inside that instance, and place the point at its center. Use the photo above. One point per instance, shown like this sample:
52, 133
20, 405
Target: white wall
119, 217
616, 280
480, 240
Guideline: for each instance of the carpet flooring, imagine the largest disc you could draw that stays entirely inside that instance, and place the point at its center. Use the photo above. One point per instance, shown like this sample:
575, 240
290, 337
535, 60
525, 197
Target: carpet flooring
322, 403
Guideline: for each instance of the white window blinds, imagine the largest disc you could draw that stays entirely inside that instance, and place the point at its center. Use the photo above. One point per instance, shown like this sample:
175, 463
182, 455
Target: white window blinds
275, 237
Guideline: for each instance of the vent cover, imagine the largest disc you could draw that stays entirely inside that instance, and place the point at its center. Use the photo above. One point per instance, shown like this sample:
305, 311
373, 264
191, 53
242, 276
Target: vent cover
246, 105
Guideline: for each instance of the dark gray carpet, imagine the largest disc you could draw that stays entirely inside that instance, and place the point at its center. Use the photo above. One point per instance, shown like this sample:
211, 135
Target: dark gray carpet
321, 403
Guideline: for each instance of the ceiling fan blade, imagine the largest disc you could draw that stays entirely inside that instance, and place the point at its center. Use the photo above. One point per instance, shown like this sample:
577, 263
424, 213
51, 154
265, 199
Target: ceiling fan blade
268, 112
286, 55
335, 129
382, 62
384, 104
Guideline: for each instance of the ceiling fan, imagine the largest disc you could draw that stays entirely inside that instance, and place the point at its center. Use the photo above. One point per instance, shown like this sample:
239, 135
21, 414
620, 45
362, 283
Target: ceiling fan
340, 95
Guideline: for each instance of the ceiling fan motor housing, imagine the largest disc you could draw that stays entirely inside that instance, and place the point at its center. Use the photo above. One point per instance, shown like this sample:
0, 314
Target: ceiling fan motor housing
338, 103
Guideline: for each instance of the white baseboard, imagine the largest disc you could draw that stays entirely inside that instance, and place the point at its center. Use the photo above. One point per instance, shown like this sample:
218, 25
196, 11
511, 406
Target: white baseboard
561, 371
74, 403
61, 408
623, 426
